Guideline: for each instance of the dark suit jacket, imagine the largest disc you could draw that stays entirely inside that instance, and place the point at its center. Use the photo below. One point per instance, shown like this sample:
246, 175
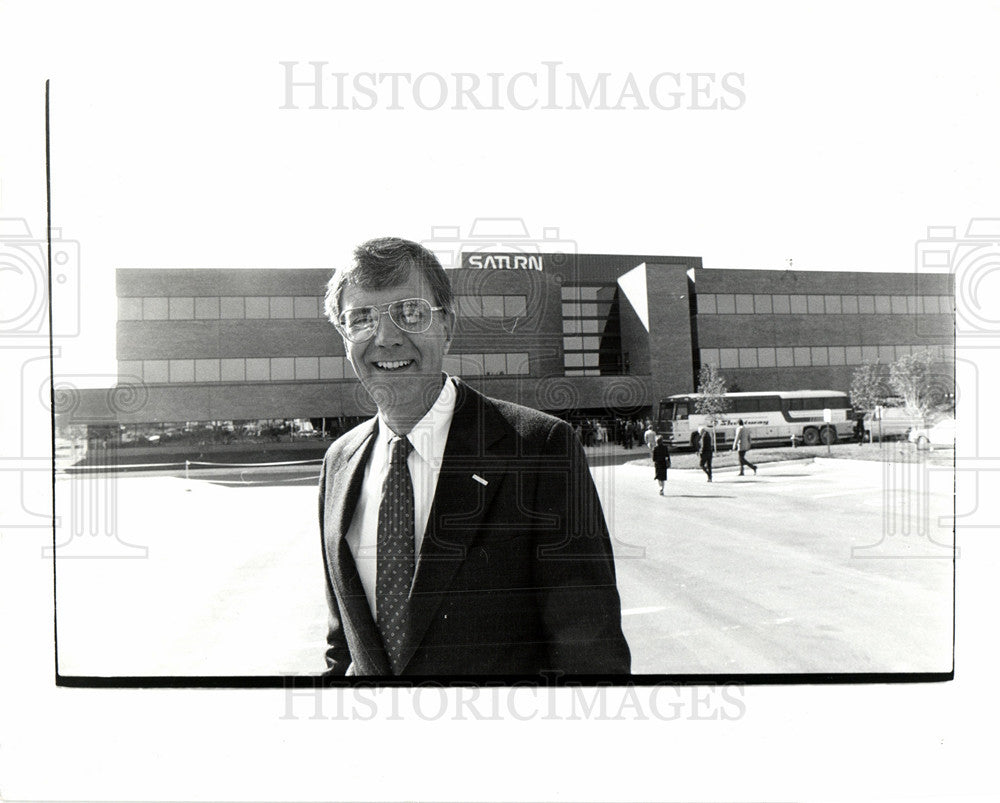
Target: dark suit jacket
514, 577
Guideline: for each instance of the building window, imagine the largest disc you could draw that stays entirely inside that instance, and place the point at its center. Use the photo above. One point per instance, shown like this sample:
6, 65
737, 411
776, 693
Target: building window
258, 369
181, 308
784, 357
837, 355
231, 307
206, 371
801, 355
833, 305
729, 358
706, 304
307, 368
282, 368
206, 308
232, 370
762, 303
515, 306
725, 303
853, 355
818, 355
798, 304
744, 304
305, 307
471, 307
155, 371
748, 358
765, 357
331, 367
154, 309
849, 304
781, 305
258, 307
492, 306
282, 307
815, 305
129, 309
181, 370
129, 371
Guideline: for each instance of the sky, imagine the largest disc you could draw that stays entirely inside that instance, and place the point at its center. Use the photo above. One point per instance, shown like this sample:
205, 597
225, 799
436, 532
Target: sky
755, 136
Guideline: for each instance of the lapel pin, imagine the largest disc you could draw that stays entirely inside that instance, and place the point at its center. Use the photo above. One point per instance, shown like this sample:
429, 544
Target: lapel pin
479, 479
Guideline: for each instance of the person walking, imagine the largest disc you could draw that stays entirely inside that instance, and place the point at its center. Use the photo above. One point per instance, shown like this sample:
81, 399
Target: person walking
661, 461
741, 445
705, 449
628, 435
650, 437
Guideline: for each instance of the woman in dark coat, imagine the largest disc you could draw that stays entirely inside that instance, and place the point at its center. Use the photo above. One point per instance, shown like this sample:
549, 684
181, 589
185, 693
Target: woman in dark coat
661, 461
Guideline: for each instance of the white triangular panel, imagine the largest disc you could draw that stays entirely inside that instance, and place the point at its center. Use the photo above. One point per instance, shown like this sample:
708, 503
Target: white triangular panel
633, 285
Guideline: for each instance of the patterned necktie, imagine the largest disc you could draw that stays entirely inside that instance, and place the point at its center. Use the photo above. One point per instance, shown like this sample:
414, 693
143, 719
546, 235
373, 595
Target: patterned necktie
394, 572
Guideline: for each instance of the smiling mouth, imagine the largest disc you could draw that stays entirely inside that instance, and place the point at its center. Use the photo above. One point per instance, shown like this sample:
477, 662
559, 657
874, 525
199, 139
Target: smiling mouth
393, 365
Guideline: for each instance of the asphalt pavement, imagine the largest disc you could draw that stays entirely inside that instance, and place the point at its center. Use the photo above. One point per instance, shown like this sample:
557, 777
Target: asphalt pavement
811, 566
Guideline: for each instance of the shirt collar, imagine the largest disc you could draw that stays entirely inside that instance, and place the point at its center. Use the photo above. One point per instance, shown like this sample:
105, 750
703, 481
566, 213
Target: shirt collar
430, 433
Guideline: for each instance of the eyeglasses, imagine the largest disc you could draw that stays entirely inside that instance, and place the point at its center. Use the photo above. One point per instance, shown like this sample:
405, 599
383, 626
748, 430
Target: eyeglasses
412, 315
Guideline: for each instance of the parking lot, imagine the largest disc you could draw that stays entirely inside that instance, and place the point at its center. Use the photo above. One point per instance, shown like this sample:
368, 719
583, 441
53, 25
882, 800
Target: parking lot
811, 566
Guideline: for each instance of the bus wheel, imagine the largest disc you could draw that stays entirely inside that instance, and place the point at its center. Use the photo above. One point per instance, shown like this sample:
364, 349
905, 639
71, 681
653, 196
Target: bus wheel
695, 441
810, 436
828, 436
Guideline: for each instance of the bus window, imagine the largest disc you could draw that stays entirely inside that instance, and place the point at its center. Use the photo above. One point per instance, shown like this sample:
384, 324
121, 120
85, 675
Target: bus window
665, 410
680, 411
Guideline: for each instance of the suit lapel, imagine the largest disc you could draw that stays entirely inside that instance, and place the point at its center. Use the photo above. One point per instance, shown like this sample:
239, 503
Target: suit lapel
347, 477
472, 457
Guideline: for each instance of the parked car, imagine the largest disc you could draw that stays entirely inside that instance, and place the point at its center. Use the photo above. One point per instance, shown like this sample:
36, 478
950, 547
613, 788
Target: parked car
895, 422
941, 434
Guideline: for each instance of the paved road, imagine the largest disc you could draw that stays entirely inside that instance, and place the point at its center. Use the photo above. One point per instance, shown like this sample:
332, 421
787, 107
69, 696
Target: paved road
740, 575
826, 566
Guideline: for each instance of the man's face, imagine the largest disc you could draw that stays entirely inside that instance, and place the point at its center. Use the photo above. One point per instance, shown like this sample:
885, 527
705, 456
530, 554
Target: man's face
401, 370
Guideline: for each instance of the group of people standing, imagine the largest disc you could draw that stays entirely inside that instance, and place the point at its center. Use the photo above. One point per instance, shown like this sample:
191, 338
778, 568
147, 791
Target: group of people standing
626, 432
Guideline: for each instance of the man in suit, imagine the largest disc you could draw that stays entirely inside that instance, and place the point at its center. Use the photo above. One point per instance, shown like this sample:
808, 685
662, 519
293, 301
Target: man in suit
741, 445
461, 534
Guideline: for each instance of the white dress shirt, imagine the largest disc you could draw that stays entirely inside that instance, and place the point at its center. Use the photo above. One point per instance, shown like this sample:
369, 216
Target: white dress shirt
428, 437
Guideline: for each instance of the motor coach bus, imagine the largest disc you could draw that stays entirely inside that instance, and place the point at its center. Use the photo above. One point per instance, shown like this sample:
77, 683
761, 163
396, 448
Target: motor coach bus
771, 416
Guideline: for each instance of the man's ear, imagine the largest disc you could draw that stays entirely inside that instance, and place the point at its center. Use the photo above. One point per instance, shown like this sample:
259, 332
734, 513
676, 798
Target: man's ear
449, 329
347, 355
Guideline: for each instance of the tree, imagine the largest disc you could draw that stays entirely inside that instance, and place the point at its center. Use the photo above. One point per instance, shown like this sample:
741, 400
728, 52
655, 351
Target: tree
911, 378
712, 387
867, 387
